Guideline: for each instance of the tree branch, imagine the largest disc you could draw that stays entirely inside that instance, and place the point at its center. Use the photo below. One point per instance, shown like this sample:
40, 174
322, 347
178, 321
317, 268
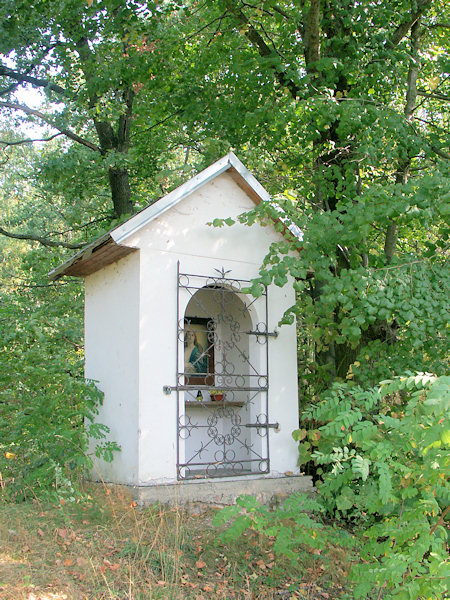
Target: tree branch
11, 88
14, 86
29, 141
438, 25
35, 238
106, 135
257, 40
434, 95
404, 27
219, 25
123, 129
82, 226
37, 113
281, 12
24, 78
268, 12
441, 520
271, 40
440, 152
431, 124
174, 114
187, 38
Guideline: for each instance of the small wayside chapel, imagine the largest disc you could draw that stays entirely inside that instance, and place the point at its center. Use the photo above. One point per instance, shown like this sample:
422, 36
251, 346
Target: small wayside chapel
200, 384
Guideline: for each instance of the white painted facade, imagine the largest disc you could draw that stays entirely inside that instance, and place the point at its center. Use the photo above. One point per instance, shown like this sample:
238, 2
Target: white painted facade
131, 330
112, 359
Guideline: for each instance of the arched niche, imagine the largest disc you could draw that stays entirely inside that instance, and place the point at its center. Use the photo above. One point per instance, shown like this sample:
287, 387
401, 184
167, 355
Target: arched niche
216, 434
221, 321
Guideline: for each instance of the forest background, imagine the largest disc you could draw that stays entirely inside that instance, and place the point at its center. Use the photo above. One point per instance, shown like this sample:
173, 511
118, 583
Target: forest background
339, 107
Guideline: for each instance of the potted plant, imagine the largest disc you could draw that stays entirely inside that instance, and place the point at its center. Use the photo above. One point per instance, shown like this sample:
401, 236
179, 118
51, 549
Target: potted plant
217, 395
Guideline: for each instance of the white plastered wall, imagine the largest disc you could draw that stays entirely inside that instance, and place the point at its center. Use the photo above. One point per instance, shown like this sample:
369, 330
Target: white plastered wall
112, 359
182, 234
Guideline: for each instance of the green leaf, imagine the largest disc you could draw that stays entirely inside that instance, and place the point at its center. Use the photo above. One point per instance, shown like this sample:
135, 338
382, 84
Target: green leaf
361, 466
299, 434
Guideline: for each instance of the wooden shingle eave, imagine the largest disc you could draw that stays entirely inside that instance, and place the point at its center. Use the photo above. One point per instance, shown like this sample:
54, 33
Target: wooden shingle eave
100, 253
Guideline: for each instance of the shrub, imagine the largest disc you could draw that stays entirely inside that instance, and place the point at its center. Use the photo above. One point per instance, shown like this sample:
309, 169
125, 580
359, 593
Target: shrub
47, 408
44, 444
384, 456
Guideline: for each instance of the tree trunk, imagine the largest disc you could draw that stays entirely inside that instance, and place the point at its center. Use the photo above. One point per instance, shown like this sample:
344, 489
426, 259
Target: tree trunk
404, 166
120, 191
111, 139
312, 36
390, 241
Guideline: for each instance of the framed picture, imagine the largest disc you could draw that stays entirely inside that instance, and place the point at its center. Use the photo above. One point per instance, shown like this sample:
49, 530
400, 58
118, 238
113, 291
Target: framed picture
198, 351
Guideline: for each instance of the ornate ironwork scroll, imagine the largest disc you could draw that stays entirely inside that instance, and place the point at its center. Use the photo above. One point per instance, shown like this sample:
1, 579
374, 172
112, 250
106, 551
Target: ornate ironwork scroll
222, 377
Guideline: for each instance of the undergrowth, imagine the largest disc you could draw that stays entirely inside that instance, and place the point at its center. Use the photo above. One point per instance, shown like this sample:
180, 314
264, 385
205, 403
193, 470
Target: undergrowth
107, 548
384, 458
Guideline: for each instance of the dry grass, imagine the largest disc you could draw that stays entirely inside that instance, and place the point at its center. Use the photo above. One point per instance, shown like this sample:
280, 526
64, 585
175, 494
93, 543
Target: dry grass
109, 549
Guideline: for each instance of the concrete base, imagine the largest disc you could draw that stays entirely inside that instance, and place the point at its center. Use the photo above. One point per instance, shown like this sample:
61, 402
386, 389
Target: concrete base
224, 491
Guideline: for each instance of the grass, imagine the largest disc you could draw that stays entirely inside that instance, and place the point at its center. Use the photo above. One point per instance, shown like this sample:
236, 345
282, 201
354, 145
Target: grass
106, 548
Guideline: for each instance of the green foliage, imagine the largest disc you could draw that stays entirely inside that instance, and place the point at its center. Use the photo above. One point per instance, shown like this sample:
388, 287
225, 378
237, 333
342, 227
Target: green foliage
164, 89
384, 455
46, 406
291, 524
350, 164
387, 463
374, 319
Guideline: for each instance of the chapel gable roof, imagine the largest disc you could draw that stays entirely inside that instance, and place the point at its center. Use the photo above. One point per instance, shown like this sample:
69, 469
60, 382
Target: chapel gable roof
108, 248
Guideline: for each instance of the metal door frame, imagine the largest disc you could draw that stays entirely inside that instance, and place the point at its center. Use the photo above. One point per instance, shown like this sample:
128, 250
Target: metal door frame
255, 383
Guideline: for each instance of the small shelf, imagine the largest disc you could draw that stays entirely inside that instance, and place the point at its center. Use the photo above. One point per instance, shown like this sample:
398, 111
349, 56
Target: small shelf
213, 403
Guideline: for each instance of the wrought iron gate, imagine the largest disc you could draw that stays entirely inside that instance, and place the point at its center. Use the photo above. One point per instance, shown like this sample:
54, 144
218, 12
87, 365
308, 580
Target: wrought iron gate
222, 378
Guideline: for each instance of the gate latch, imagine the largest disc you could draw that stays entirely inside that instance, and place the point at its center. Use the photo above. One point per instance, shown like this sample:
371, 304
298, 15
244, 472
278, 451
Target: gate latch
275, 426
263, 333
